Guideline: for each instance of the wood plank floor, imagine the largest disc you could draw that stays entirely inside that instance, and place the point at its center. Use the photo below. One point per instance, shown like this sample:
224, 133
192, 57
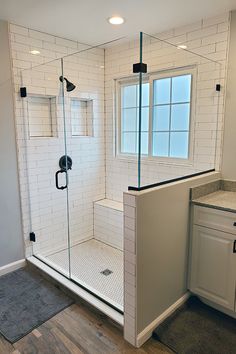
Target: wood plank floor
79, 329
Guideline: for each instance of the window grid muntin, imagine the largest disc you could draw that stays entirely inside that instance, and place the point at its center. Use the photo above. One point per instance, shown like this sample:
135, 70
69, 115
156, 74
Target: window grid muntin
170, 105
173, 73
122, 109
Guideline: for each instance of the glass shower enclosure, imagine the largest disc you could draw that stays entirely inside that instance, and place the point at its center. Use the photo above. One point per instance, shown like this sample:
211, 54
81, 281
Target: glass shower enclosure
167, 126
64, 127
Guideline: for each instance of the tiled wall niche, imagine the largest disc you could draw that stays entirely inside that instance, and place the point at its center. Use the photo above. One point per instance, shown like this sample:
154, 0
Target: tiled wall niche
81, 117
42, 118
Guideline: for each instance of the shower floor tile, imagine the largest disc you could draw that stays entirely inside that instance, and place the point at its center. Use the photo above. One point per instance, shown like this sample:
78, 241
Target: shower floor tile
96, 266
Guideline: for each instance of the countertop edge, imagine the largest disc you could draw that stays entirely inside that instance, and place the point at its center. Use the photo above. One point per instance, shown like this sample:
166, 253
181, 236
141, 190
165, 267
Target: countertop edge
213, 206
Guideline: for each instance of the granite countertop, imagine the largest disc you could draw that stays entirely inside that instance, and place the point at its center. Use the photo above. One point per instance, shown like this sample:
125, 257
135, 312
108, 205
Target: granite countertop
221, 199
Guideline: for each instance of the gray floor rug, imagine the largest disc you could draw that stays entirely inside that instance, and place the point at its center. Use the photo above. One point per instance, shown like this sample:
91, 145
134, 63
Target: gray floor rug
26, 301
196, 328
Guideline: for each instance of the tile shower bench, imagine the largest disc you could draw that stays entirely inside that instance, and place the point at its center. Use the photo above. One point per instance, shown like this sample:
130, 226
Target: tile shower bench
108, 222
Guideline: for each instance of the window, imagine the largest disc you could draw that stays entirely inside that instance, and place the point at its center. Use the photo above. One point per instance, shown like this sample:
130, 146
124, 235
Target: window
165, 130
130, 118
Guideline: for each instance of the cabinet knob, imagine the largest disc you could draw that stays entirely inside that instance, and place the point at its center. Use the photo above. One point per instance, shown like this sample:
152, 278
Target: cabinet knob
234, 224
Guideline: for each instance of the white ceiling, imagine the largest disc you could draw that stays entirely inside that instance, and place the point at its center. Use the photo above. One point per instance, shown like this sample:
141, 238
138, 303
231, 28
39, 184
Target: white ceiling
85, 20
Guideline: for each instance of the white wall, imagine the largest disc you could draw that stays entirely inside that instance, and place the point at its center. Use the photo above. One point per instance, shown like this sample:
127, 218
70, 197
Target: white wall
156, 225
11, 239
38, 157
208, 37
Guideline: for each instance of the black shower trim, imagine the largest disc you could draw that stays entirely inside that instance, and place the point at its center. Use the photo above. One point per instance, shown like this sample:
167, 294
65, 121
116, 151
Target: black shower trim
149, 186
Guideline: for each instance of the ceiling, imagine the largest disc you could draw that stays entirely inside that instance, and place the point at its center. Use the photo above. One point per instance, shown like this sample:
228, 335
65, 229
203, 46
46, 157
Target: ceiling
85, 20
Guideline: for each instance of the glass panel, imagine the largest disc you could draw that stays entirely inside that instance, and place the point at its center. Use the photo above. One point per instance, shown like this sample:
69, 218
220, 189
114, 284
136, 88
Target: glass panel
184, 101
129, 143
161, 91
145, 119
179, 144
180, 116
144, 139
161, 118
160, 144
145, 94
129, 96
65, 122
90, 254
45, 138
181, 88
129, 121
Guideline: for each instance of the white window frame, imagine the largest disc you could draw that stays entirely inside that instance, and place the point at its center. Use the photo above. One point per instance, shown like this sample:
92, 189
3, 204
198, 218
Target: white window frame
172, 72
118, 85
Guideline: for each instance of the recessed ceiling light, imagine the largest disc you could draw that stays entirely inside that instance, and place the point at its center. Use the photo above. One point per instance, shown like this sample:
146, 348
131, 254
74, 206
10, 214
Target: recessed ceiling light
116, 20
35, 52
182, 46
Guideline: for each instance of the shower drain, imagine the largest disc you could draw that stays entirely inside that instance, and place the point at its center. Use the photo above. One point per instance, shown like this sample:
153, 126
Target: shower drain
106, 272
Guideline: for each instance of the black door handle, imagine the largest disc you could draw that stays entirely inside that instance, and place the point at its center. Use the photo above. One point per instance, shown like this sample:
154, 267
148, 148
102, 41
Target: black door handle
56, 179
234, 247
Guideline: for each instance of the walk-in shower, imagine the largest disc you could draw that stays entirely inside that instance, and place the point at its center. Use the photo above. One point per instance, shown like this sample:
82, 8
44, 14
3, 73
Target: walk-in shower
121, 126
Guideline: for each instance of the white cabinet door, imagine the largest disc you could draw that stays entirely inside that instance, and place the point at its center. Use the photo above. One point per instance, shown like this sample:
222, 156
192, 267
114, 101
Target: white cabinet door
213, 266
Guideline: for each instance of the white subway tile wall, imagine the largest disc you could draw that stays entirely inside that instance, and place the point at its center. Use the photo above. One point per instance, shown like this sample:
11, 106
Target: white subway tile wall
130, 332
207, 37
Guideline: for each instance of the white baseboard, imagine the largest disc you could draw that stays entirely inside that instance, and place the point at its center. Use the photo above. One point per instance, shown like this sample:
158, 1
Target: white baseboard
147, 332
12, 266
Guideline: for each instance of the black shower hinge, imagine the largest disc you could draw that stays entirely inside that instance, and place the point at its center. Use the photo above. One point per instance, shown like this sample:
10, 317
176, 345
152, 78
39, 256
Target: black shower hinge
218, 87
23, 92
32, 237
139, 68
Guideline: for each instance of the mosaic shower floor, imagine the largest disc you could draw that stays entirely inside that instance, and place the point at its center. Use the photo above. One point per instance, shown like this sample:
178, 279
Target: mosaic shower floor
96, 266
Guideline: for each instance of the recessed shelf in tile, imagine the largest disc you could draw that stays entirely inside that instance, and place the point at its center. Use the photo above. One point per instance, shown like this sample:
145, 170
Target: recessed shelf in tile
42, 116
81, 117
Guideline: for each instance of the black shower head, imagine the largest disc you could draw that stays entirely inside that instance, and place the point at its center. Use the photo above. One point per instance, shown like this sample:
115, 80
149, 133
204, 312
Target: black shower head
69, 85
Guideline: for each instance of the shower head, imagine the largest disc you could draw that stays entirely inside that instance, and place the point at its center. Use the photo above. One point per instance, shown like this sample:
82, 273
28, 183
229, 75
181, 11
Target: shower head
69, 85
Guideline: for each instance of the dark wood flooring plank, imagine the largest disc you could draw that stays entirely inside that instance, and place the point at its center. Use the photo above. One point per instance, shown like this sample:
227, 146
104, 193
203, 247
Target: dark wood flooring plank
84, 334
102, 323
45, 344
73, 349
79, 329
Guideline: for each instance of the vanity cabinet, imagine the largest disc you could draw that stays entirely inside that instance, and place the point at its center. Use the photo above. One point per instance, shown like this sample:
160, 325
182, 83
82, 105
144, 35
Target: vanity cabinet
213, 255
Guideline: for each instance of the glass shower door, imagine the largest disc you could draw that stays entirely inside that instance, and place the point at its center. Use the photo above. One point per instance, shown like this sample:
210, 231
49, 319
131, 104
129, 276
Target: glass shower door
46, 164
95, 264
